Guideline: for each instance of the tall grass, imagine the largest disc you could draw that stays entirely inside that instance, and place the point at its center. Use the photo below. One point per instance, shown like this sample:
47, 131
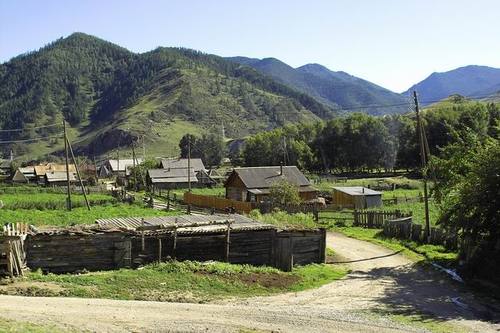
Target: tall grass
284, 220
43, 201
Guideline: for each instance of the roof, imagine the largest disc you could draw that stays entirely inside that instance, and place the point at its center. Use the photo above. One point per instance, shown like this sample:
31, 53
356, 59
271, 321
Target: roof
175, 163
42, 169
58, 176
27, 170
123, 164
186, 224
357, 190
264, 177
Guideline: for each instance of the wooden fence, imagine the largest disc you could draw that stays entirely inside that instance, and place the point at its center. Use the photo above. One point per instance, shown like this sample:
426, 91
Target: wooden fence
400, 200
218, 203
404, 228
12, 253
376, 219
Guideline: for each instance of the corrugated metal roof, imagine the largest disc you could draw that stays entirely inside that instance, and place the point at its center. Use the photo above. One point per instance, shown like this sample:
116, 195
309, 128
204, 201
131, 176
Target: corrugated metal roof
123, 164
357, 190
182, 163
57, 176
213, 223
264, 177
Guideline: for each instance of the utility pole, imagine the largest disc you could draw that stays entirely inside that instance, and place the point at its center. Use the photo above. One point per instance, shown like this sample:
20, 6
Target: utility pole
68, 199
78, 175
285, 152
423, 159
134, 165
189, 163
118, 161
143, 148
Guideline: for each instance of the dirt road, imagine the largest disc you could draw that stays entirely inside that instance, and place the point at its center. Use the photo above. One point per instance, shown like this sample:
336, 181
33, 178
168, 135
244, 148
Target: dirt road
380, 282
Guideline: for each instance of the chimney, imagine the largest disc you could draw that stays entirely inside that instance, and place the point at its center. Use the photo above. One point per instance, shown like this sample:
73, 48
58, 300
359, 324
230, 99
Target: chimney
281, 169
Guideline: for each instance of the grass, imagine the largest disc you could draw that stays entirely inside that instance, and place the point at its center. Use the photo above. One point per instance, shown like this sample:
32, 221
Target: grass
186, 281
78, 215
432, 325
402, 183
42, 201
14, 326
219, 191
283, 220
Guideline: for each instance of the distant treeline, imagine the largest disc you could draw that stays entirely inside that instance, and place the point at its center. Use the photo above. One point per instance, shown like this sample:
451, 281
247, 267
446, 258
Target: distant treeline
359, 142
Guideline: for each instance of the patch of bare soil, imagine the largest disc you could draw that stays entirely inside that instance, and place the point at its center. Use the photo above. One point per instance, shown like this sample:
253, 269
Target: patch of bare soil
31, 288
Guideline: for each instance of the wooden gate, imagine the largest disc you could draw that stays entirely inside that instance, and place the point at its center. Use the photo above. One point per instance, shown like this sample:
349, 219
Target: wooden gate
12, 254
123, 254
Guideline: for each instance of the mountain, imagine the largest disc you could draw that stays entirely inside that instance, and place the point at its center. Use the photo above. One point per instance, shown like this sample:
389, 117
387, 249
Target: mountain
112, 98
339, 90
471, 81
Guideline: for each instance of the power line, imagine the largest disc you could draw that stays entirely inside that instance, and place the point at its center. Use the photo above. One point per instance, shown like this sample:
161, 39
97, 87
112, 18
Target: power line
27, 128
34, 139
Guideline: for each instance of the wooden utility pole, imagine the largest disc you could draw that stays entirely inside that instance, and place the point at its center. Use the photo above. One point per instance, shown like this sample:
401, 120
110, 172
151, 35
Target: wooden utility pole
423, 160
78, 175
133, 166
189, 163
68, 199
284, 151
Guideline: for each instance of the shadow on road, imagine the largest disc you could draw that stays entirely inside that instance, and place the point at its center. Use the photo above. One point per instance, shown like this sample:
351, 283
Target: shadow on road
365, 259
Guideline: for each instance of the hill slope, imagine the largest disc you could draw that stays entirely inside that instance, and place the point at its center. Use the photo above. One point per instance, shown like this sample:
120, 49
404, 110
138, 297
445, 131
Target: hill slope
336, 89
112, 97
467, 81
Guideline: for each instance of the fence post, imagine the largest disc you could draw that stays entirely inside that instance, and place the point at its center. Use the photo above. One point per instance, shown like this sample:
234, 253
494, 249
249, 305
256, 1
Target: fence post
228, 235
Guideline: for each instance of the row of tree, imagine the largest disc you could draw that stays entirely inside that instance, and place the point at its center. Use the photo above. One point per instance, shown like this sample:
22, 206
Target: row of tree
360, 142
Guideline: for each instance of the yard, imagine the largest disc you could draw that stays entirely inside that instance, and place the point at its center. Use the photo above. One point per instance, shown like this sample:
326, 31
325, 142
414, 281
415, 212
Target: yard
187, 281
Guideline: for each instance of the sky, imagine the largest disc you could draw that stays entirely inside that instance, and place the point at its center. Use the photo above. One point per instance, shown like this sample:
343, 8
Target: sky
392, 43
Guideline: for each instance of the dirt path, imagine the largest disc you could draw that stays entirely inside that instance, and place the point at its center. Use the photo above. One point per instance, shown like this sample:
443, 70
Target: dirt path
380, 281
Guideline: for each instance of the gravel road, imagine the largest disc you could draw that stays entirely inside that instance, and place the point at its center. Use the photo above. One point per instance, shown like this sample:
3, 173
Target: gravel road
380, 282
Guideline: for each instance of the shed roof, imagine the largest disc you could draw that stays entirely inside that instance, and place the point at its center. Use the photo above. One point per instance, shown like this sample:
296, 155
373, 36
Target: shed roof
176, 163
166, 175
357, 190
42, 169
264, 177
186, 224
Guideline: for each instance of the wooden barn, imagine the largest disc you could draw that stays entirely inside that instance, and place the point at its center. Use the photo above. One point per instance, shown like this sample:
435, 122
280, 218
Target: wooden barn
253, 184
159, 179
119, 167
356, 197
24, 175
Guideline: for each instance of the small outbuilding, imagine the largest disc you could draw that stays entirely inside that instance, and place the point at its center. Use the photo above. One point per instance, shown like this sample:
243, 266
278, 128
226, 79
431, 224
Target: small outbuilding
119, 167
24, 175
159, 179
59, 178
356, 197
182, 163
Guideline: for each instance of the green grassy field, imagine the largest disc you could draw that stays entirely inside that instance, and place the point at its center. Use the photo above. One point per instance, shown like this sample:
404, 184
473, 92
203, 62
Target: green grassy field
177, 281
42, 201
11, 326
78, 215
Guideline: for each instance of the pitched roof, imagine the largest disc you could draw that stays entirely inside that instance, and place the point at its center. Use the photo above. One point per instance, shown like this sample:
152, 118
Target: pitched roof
58, 176
175, 163
123, 164
42, 169
264, 177
357, 190
171, 176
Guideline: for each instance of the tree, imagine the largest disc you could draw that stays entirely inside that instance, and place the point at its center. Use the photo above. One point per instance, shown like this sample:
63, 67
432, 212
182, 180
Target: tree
284, 193
186, 140
468, 191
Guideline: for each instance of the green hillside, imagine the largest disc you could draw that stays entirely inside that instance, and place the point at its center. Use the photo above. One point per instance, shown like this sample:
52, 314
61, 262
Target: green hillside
112, 97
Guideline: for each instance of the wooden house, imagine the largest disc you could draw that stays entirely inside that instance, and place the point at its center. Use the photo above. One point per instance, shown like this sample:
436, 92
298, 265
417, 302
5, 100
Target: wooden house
356, 197
254, 183
182, 163
24, 175
42, 169
159, 179
119, 167
59, 178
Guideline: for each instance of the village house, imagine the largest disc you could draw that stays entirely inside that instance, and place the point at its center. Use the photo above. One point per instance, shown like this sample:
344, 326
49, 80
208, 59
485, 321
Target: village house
158, 179
356, 197
254, 184
59, 178
119, 167
24, 175
42, 169
182, 163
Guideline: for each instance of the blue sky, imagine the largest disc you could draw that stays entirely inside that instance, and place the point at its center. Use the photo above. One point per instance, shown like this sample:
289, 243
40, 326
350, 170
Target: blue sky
391, 43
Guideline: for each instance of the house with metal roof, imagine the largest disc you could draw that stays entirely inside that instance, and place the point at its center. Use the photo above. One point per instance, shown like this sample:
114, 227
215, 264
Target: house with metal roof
42, 169
254, 183
118, 167
24, 175
59, 178
356, 197
174, 178
182, 163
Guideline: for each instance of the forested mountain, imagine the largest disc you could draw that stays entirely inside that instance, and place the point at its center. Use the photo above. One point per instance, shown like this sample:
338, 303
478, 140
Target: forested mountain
112, 97
473, 81
337, 89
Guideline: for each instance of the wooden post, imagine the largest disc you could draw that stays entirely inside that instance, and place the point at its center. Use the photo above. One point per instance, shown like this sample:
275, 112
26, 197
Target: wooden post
159, 249
78, 174
143, 245
68, 199
174, 246
228, 242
